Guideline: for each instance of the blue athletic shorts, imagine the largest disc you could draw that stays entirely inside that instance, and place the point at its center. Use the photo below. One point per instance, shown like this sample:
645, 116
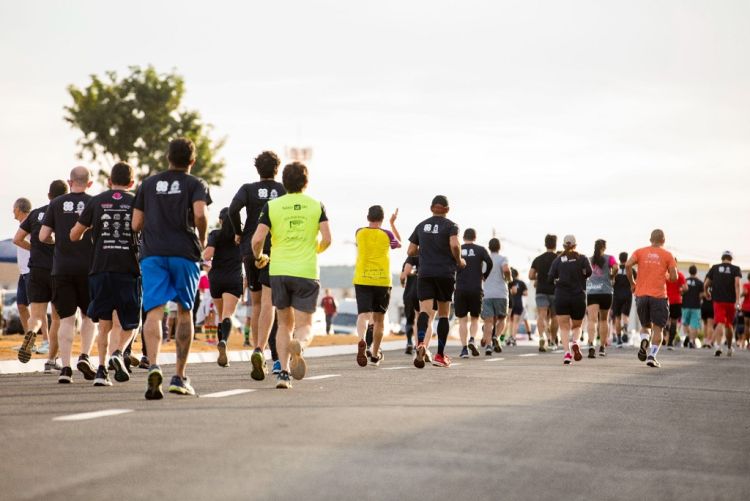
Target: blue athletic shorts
691, 317
168, 278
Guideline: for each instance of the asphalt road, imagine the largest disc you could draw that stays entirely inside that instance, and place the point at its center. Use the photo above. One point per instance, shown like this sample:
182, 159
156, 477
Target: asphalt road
524, 427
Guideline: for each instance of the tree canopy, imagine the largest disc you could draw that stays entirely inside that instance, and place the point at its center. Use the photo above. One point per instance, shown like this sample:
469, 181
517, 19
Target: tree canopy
133, 119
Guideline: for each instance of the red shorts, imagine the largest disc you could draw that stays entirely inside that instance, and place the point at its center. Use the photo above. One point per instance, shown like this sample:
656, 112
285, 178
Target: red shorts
724, 314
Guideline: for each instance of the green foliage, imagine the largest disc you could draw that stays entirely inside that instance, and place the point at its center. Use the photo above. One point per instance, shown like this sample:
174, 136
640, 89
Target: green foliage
133, 119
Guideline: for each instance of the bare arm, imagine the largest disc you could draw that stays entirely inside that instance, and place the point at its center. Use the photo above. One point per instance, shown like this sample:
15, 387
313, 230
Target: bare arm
456, 251
76, 233
506, 273
325, 237
208, 253
45, 235
20, 239
673, 273
393, 226
413, 249
706, 286
629, 271
200, 218
532, 274
259, 237
404, 274
137, 223
737, 290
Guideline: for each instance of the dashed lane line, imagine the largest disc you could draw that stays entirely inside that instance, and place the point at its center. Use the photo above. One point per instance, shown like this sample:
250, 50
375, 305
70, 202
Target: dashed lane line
227, 393
92, 415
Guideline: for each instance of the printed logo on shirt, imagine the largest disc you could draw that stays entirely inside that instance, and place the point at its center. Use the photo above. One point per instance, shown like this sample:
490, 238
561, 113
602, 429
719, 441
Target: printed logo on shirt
262, 193
427, 228
117, 195
40, 217
68, 206
297, 207
162, 186
175, 188
274, 194
80, 207
435, 230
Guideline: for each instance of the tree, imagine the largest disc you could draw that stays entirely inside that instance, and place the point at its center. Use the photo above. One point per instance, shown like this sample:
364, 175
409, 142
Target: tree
134, 118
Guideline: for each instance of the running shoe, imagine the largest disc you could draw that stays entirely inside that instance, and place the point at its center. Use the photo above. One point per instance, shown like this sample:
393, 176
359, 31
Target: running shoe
43, 348
670, 347
542, 349
686, 342
102, 377
652, 362
130, 359
577, 356
154, 380
419, 359
409, 349
625, 338
66, 376
473, 348
258, 362
376, 360
297, 364
277, 366
464, 352
24, 353
718, 352
567, 358
602, 351
368, 352
121, 373
496, 345
85, 367
427, 356
441, 360
643, 351
181, 386
619, 342
592, 352
362, 353
282, 381
730, 351
51, 365
223, 361
488, 351
144, 363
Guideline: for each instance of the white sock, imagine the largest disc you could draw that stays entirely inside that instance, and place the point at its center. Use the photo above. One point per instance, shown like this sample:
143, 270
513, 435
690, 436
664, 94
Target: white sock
655, 349
644, 336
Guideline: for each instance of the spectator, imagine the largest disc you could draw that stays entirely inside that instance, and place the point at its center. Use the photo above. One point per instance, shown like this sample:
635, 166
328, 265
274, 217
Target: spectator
328, 303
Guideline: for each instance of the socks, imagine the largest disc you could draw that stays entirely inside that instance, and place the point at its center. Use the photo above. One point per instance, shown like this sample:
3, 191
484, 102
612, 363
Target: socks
443, 327
225, 329
272, 339
422, 321
368, 335
409, 333
654, 349
644, 336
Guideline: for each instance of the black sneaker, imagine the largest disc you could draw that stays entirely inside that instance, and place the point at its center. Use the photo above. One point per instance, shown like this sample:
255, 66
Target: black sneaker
473, 348
496, 345
488, 350
652, 362
66, 376
85, 367
592, 352
376, 360
110, 365
625, 338
144, 363
102, 377
602, 352
223, 360
409, 349
283, 382
121, 373
643, 351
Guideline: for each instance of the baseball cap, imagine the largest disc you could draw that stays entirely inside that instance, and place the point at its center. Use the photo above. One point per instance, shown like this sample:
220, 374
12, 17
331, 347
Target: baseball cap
569, 240
440, 200
727, 253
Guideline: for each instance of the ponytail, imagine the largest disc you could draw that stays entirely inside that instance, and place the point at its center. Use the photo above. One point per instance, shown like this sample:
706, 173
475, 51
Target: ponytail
598, 257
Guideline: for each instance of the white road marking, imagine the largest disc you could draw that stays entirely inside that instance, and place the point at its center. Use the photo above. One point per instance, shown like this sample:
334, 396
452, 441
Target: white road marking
494, 359
324, 376
395, 368
529, 355
227, 393
92, 415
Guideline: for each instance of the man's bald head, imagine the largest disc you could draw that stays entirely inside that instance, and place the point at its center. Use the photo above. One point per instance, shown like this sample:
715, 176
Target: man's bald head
657, 237
80, 178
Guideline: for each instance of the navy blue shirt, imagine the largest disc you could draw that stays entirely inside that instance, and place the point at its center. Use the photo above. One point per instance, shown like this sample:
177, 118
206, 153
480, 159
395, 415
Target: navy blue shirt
71, 258
41, 254
433, 238
470, 278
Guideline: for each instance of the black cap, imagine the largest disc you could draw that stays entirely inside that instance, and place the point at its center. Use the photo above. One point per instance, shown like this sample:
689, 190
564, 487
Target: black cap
440, 200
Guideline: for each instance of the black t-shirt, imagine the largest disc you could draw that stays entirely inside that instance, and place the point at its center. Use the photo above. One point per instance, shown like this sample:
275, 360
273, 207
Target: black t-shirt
41, 254
71, 258
622, 284
517, 298
433, 238
722, 282
691, 298
470, 278
166, 200
226, 265
109, 215
570, 274
542, 265
410, 288
253, 197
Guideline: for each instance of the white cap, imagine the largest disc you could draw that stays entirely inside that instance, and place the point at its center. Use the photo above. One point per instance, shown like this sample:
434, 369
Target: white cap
727, 253
569, 240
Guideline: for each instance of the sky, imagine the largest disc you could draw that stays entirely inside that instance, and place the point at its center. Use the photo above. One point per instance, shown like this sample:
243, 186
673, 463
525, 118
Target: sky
604, 119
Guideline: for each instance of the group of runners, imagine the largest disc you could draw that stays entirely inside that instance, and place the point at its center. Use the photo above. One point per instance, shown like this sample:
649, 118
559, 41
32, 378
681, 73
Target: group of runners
116, 259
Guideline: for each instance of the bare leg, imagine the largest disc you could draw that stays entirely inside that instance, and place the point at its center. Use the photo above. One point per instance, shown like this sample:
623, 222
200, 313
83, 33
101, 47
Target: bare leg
474, 327
88, 334
284, 335
152, 333
267, 313
563, 321
592, 313
102, 343
67, 331
24, 315
463, 329
603, 328
362, 321
256, 299
377, 333
183, 338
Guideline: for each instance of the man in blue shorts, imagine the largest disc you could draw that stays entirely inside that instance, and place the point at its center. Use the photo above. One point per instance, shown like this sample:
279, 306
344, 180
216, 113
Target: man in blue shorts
169, 208
691, 307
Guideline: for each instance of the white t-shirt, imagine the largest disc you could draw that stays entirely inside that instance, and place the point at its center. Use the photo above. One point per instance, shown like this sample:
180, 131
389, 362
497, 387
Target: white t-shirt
22, 256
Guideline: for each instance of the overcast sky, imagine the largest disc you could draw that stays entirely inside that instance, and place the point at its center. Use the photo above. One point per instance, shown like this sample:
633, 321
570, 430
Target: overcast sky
600, 118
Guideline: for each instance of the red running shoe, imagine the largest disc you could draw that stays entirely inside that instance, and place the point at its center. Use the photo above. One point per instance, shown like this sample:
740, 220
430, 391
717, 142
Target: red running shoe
441, 360
577, 356
361, 356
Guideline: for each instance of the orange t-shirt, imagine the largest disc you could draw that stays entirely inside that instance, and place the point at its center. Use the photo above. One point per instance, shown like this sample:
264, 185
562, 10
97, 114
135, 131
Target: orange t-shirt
653, 264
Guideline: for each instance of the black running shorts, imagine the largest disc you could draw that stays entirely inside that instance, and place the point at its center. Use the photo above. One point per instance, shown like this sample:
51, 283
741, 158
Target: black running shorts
468, 303
438, 288
253, 274
120, 292
603, 300
622, 304
707, 310
372, 299
652, 310
39, 285
573, 306
675, 312
70, 292
224, 285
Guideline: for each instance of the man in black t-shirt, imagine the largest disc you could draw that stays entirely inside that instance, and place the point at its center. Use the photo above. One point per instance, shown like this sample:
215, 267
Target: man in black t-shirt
691, 307
253, 197
114, 276
435, 241
39, 283
723, 282
518, 290
545, 293
70, 270
170, 210
622, 300
411, 301
469, 293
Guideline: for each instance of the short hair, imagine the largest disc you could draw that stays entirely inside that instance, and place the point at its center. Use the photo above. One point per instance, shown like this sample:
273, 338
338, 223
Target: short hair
494, 245
122, 174
693, 270
23, 204
294, 177
657, 237
375, 214
623, 257
181, 152
550, 241
514, 273
57, 188
80, 176
267, 164
470, 234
